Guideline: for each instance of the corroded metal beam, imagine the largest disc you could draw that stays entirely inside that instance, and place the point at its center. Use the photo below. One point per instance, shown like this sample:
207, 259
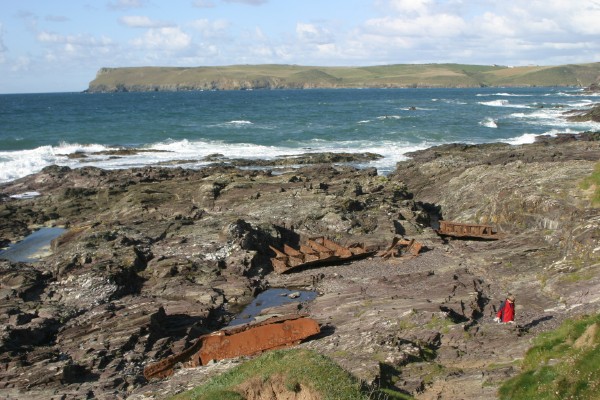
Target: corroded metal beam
399, 246
242, 340
315, 251
462, 230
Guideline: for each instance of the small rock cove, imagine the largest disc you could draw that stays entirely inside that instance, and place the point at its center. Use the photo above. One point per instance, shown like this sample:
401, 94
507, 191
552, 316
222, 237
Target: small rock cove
33, 247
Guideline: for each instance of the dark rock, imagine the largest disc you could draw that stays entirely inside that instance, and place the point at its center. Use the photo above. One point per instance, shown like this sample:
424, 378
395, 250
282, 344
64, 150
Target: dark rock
593, 88
593, 114
154, 257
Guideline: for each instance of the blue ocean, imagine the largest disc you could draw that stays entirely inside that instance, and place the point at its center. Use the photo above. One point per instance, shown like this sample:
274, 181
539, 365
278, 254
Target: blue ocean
37, 130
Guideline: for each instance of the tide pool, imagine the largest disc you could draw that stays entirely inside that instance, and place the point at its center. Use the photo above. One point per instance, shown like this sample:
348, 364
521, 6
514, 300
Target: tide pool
33, 247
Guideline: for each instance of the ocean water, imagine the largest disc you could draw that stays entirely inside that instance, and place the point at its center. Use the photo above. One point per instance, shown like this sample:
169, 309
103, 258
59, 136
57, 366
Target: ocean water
37, 130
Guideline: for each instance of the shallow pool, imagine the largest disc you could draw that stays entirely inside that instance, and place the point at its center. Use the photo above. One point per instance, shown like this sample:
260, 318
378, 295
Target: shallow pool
33, 247
272, 298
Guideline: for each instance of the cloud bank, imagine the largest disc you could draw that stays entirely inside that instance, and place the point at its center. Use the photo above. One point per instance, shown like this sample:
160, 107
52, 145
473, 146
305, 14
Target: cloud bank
225, 32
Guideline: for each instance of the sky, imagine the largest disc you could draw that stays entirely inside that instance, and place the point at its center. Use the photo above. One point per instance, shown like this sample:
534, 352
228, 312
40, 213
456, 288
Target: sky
59, 45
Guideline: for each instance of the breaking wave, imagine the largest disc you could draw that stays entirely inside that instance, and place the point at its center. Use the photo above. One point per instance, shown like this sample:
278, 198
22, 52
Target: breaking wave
489, 123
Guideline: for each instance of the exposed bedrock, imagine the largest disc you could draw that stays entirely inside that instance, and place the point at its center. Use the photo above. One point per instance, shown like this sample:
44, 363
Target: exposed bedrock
155, 257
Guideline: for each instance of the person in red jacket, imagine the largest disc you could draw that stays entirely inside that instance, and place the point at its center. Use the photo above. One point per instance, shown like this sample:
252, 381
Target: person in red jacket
506, 313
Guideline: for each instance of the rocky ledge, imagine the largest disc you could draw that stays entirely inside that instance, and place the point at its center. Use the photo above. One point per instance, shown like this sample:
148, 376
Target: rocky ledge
155, 257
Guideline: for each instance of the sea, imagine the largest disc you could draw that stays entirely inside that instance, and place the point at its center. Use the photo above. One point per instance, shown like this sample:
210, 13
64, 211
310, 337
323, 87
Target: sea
183, 128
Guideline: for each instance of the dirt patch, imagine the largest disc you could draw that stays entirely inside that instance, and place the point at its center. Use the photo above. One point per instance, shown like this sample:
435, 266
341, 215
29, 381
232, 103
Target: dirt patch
276, 387
587, 339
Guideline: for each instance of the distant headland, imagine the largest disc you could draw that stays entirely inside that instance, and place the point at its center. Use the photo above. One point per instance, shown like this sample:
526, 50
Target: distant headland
280, 76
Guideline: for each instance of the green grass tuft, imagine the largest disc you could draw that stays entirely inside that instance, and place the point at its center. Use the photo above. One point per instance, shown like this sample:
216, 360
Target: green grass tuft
556, 369
298, 368
593, 181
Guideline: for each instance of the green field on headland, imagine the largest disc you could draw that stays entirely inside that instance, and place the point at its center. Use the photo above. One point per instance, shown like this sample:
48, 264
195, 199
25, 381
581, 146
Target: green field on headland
277, 76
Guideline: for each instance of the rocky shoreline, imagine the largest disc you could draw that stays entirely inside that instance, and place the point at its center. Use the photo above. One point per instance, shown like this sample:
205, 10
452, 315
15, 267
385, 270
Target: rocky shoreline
155, 257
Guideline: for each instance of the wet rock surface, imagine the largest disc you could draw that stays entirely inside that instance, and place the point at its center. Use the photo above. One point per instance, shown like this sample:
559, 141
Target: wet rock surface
591, 114
155, 257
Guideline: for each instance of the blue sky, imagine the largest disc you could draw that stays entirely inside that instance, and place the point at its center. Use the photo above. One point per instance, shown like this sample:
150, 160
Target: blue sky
59, 45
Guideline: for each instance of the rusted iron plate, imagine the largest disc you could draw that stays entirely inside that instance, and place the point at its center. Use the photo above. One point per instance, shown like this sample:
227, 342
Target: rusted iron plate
462, 230
414, 248
315, 251
243, 340
402, 248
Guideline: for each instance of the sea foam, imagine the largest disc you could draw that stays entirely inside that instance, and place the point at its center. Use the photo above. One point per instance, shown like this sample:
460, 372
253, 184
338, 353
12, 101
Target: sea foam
494, 103
383, 126
489, 123
503, 94
523, 139
502, 103
531, 137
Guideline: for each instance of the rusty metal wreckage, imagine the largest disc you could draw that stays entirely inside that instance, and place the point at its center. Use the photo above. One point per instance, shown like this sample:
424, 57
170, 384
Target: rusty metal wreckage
283, 331
468, 231
243, 340
315, 251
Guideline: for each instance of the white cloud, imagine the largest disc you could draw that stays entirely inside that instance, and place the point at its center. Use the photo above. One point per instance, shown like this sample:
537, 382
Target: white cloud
437, 25
261, 52
211, 28
567, 46
21, 64
587, 22
327, 50
551, 16
259, 35
311, 33
74, 51
78, 40
2, 46
48, 37
138, 21
388, 31
495, 25
482, 31
3, 49
167, 38
411, 6
544, 26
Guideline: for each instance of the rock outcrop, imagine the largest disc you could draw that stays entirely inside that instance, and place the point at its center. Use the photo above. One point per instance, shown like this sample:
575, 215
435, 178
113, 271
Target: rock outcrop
155, 257
591, 114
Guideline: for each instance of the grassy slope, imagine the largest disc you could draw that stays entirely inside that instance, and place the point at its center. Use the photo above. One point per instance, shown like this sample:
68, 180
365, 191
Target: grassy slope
401, 75
592, 183
562, 364
298, 368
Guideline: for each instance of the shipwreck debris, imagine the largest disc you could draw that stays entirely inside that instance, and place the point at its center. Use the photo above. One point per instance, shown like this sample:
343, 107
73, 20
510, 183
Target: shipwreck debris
315, 251
241, 340
401, 248
468, 231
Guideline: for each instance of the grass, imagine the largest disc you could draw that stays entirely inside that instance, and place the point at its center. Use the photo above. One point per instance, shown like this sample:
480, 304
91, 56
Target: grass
298, 368
439, 323
574, 277
293, 76
556, 369
593, 181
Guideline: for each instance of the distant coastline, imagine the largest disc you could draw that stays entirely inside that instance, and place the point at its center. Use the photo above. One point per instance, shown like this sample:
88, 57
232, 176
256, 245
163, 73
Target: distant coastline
279, 76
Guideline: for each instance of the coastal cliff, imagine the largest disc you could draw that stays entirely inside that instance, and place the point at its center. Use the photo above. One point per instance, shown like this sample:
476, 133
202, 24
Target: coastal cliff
250, 77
